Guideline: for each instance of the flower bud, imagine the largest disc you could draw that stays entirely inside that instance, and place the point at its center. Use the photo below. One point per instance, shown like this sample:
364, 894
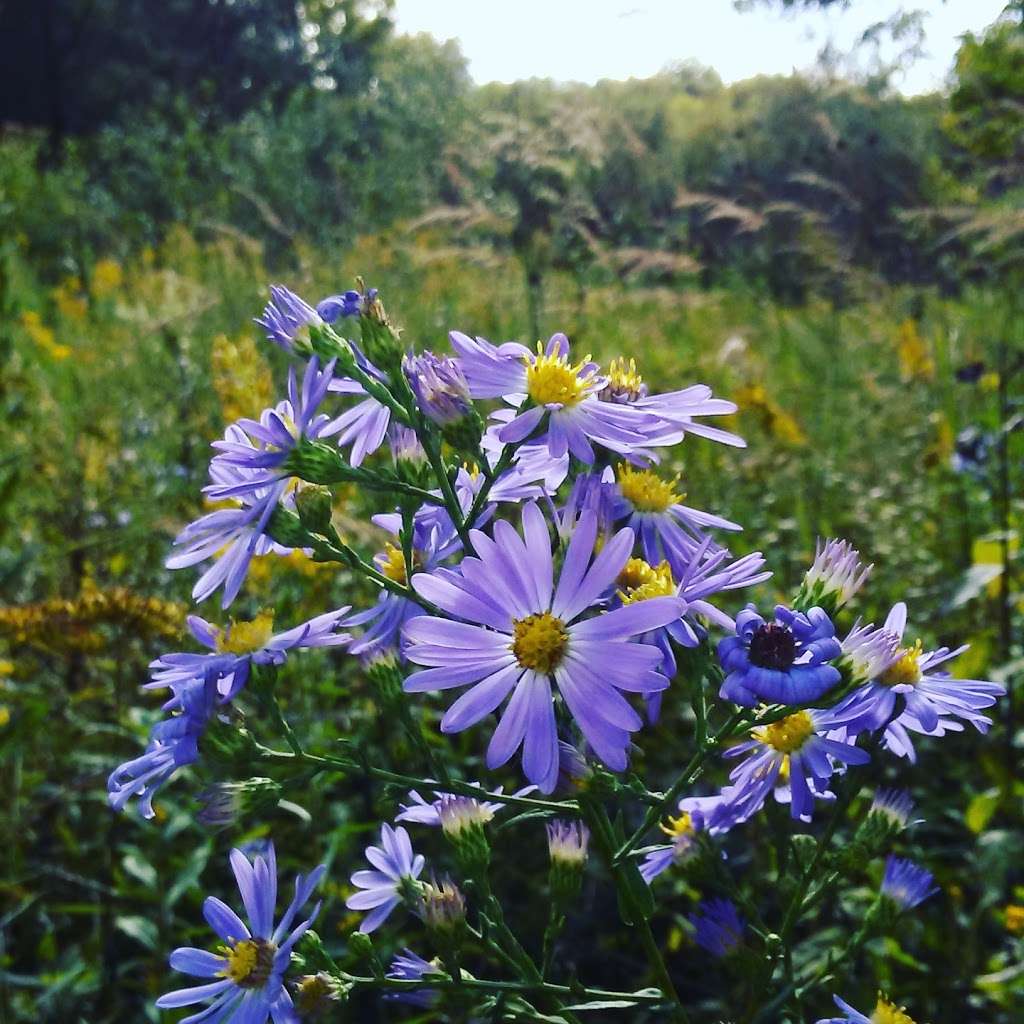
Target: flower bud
905, 885
319, 463
888, 816
462, 821
443, 396
287, 530
834, 577
361, 945
444, 907
226, 803
384, 672
317, 996
567, 847
381, 339
314, 505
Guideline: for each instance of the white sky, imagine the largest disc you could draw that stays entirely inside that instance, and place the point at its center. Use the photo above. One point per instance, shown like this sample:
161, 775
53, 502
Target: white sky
586, 40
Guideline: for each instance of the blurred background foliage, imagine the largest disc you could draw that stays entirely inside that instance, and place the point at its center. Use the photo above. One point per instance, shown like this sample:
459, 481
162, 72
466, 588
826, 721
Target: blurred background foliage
840, 259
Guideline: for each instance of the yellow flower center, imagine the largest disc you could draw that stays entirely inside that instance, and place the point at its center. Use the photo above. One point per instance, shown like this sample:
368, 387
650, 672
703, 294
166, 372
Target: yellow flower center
788, 734
889, 1013
906, 670
624, 380
646, 490
553, 379
250, 962
539, 641
244, 637
391, 562
639, 581
681, 826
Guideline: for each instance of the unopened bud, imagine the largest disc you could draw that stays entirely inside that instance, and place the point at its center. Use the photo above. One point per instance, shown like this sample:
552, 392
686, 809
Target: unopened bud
834, 577
226, 803
314, 505
317, 995
463, 819
567, 847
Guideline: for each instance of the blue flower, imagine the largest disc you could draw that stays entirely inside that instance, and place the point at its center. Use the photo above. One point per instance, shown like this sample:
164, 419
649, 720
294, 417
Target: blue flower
424, 812
253, 959
907, 695
364, 426
520, 632
718, 928
884, 1013
409, 966
696, 814
555, 402
202, 682
347, 304
286, 317
396, 869
795, 758
783, 661
665, 527
250, 469
906, 884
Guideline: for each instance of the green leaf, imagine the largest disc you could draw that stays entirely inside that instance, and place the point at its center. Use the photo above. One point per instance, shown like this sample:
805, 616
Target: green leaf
141, 929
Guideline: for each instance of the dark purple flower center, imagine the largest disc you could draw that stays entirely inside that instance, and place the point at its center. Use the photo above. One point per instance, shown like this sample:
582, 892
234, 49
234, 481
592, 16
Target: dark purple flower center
773, 646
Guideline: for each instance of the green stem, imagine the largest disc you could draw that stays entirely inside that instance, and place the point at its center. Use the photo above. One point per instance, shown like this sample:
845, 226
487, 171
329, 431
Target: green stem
346, 766
486, 985
685, 778
604, 837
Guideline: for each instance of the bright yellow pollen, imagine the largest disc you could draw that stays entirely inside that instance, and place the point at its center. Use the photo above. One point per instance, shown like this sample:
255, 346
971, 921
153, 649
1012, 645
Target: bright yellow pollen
681, 826
244, 637
905, 671
624, 379
473, 470
391, 563
540, 641
639, 581
788, 734
646, 490
551, 379
250, 962
889, 1013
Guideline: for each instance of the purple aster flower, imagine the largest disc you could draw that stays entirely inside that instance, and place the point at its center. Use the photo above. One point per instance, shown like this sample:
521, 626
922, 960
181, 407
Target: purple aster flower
347, 304
884, 1013
250, 469
795, 757
269, 441
906, 884
173, 744
783, 661
424, 812
408, 966
666, 528
718, 927
250, 968
394, 874
439, 386
520, 633
200, 683
696, 814
553, 396
287, 317
675, 410
933, 703
239, 534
